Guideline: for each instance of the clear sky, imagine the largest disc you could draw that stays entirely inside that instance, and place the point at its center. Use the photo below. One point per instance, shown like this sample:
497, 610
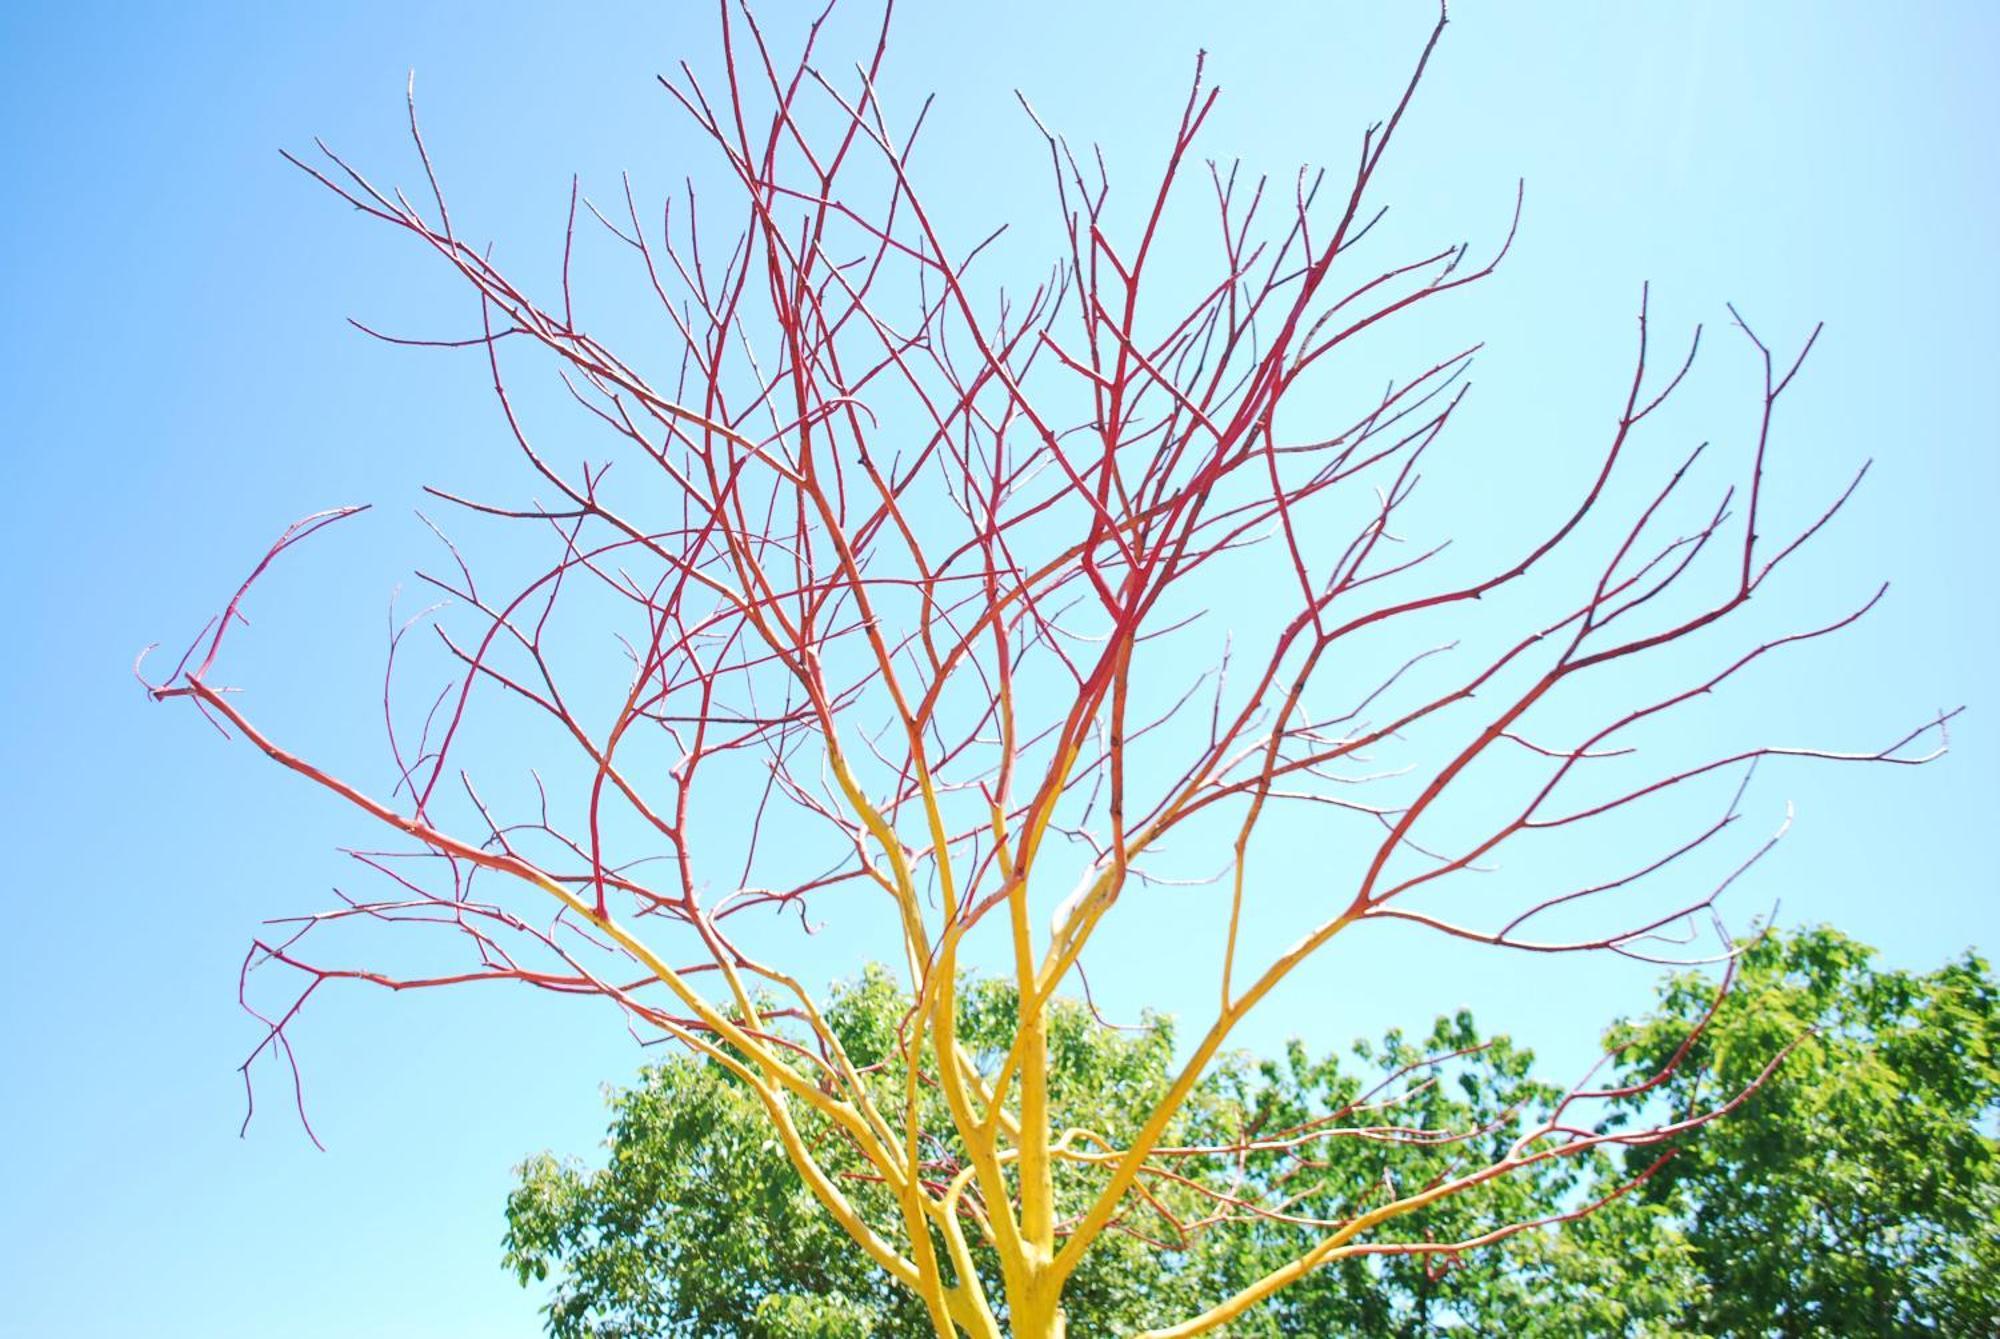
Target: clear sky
176, 382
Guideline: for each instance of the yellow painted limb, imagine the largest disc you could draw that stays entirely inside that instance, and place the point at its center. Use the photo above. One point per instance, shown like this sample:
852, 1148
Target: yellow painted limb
752, 1016
910, 1196
1016, 1258
1031, 998
997, 1115
972, 1314
1336, 1246
829, 1195
930, 1279
1024, 990
979, 1137
1022, 1273
981, 1151
822, 1186
1236, 905
1040, 1315
1037, 1184
918, 938
970, 1295
1149, 1136
864, 1101
841, 1113
947, 1306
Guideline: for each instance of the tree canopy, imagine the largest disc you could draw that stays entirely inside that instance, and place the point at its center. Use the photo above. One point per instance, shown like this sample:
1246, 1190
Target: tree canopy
1853, 1194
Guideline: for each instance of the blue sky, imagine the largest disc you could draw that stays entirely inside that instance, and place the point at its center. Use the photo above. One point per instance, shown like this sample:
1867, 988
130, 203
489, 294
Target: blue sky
177, 382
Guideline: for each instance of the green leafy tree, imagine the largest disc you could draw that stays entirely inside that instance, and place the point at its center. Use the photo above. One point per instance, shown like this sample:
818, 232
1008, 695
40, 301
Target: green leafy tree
1859, 1192
1853, 1194
698, 1225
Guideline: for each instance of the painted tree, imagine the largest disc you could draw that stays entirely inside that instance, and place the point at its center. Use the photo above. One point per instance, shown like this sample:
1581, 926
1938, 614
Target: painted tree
880, 606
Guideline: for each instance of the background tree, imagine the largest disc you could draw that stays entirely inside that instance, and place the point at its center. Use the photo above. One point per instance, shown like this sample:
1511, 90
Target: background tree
885, 608
1853, 1195
1859, 1192
699, 1225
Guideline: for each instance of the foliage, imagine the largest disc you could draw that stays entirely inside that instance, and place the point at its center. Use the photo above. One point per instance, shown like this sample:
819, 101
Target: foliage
700, 1225
1859, 1193
1852, 1195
